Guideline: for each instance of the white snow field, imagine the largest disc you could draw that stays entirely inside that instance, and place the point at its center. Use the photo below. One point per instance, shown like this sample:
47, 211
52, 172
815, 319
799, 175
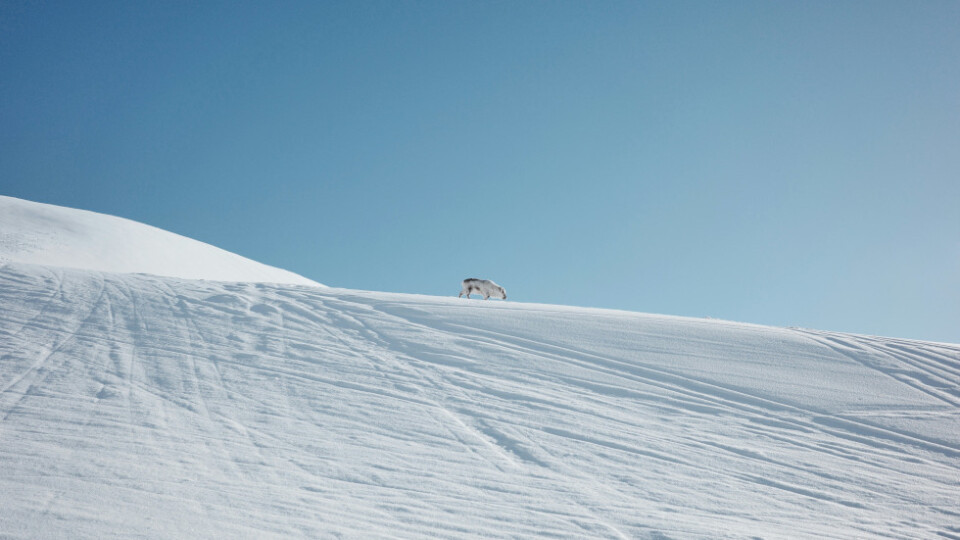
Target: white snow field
39, 233
141, 406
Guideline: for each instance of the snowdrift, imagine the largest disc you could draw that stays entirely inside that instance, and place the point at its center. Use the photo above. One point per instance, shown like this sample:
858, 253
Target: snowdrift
156, 407
56, 236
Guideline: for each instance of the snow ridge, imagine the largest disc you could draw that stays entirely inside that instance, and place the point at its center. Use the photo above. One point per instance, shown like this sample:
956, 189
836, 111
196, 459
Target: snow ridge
49, 235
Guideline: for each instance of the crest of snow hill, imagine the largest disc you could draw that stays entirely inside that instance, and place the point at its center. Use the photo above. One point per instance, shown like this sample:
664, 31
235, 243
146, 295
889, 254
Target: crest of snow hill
152, 386
44, 234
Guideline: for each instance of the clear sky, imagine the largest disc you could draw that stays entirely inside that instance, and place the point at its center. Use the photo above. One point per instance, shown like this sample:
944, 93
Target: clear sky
793, 164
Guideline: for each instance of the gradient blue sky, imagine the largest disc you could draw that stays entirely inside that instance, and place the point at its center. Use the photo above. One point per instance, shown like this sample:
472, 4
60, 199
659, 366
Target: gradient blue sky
791, 164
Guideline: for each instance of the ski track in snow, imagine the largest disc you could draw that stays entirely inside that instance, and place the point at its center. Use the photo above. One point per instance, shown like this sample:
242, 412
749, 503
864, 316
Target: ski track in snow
151, 407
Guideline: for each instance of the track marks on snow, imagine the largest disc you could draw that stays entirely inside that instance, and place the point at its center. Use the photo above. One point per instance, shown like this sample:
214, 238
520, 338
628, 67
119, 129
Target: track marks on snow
25, 383
934, 373
299, 411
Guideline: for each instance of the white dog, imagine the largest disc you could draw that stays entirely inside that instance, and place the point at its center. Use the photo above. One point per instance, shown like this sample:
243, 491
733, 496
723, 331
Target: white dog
482, 286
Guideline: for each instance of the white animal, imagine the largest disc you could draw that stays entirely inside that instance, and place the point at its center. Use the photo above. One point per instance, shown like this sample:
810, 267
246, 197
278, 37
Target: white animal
482, 286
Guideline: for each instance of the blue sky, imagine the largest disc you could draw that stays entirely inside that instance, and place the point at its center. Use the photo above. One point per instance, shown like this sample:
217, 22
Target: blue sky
791, 164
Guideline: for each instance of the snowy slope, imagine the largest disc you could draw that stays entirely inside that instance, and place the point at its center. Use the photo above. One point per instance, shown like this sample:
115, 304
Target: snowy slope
154, 407
56, 236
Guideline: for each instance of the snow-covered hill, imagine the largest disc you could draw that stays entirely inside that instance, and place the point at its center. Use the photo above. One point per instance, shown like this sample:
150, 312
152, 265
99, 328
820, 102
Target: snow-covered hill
56, 236
141, 406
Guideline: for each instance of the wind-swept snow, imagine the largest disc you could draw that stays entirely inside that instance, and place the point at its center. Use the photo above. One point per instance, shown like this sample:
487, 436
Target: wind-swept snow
154, 407
51, 235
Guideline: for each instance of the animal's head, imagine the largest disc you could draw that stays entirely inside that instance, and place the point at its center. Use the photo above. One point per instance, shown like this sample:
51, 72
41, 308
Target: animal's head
503, 293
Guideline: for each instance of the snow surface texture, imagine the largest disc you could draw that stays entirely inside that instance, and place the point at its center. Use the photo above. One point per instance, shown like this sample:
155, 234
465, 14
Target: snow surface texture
53, 235
137, 406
